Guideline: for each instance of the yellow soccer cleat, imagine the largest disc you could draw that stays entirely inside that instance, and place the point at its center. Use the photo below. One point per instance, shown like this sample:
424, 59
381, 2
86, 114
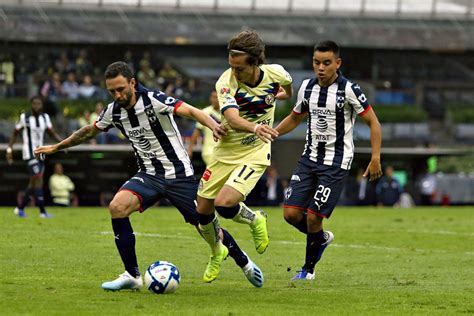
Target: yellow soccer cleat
259, 232
214, 264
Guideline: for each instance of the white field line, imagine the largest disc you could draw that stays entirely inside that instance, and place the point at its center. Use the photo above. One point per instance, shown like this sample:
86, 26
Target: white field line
286, 242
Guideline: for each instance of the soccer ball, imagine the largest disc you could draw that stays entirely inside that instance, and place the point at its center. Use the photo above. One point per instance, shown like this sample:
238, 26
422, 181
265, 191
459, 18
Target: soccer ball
162, 277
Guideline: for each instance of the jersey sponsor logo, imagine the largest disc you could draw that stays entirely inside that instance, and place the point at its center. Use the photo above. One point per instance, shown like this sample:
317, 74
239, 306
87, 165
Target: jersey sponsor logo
144, 143
207, 175
225, 90
322, 137
321, 112
321, 125
136, 132
249, 140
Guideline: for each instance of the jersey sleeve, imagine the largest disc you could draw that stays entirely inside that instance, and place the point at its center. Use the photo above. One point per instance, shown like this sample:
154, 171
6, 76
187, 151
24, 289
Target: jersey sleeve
301, 105
21, 122
47, 120
280, 74
225, 89
104, 120
357, 99
163, 103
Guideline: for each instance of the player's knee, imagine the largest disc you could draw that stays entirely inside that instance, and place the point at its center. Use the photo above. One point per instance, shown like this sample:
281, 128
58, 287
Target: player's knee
225, 201
228, 212
291, 216
118, 209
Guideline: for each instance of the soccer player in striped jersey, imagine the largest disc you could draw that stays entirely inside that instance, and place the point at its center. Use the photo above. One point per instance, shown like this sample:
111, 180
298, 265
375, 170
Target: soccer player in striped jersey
32, 125
331, 102
246, 92
145, 118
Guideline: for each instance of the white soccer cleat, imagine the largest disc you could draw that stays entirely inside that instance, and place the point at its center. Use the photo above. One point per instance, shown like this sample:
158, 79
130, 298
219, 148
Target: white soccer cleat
124, 282
253, 273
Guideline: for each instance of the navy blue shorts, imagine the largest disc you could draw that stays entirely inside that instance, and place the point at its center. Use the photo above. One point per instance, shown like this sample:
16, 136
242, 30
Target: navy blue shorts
35, 167
180, 192
315, 188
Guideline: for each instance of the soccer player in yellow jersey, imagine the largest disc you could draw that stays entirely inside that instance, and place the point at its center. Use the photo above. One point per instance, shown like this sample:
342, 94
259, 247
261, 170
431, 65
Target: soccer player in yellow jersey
246, 92
208, 142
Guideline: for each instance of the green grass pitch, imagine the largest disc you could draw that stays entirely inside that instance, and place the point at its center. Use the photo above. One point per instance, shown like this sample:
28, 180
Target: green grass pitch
382, 261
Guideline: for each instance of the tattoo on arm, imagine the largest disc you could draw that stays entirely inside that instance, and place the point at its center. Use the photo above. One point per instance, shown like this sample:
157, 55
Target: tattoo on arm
78, 137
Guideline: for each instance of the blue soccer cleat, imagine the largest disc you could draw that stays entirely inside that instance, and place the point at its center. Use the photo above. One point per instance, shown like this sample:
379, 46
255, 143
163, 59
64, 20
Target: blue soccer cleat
304, 275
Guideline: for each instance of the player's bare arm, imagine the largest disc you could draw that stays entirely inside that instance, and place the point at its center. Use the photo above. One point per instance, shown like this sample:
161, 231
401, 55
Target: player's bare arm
285, 92
374, 169
263, 131
290, 122
9, 153
78, 137
191, 112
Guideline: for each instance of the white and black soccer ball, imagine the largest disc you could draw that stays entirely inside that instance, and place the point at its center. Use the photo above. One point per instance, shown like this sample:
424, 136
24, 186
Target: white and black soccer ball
162, 277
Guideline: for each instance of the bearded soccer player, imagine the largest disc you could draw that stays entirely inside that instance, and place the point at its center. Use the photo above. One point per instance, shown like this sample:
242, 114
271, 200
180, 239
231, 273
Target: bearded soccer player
145, 118
331, 102
246, 92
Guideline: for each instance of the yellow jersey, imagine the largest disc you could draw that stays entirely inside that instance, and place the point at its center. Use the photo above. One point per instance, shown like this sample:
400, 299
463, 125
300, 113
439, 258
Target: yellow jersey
256, 104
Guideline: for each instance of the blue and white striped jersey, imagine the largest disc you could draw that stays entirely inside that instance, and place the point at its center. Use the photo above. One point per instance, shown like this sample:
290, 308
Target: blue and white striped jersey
150, 128
33, 128
331, 116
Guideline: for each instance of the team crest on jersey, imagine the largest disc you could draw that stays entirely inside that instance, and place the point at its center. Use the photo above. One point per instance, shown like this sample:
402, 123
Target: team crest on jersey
269, 99
339, 102
151, 114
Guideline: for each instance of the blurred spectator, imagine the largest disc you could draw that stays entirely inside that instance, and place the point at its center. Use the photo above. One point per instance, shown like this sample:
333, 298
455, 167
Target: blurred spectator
63, 65
52, 89
87, 89
128, 58
388, 189
427, 187
365, 189
70, 87
191, 92
146, 75
176, 89
83, 65
85, 119
167, 74
7, 79
274, 187
60, 186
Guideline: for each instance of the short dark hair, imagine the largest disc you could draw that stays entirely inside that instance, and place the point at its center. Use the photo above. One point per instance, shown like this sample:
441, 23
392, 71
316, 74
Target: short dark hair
118, 68
249, 42
36, 97
327, 46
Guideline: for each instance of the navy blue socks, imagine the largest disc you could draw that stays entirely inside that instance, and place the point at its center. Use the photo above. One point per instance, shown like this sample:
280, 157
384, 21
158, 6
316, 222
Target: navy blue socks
125, 242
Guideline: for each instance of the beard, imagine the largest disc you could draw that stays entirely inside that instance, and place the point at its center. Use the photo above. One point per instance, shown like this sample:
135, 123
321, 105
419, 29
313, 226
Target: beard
125, 102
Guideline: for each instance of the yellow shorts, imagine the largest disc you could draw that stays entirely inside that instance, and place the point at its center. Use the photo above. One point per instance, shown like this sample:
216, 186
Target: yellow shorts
242, 177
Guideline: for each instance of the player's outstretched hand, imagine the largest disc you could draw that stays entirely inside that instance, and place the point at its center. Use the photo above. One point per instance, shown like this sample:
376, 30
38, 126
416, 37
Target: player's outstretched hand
374, 170
218, 131
265, 132
40, 152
